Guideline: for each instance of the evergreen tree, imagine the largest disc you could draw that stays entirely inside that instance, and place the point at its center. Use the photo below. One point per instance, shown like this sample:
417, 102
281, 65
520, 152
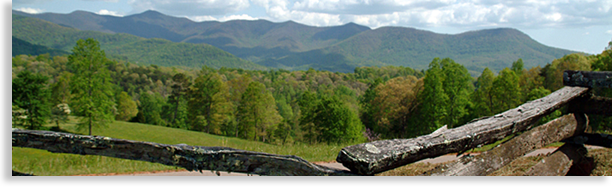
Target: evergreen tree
177, 101
30, 94
91, 85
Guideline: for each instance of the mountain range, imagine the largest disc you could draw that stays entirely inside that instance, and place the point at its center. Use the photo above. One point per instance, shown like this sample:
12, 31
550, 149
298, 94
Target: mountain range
293, 46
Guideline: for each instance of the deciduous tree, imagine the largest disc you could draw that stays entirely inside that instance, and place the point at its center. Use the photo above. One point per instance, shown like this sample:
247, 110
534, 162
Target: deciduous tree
433, 98
208, 105
91, 85
483, 96
506, 91
336, 123
257, 113
457, 86
126, 107
395, 103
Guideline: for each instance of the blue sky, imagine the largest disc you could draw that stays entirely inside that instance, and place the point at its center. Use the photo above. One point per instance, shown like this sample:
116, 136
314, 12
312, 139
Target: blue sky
581, 25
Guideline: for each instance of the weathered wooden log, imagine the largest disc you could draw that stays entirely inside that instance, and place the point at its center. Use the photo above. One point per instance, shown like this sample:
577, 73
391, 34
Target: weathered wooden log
189, 157
589, 79
559, 162
603, 140
378, 156
492, 160
590, 104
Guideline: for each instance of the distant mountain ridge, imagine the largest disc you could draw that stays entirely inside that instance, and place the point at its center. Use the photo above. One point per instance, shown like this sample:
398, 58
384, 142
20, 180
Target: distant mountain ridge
289, 45
127, 47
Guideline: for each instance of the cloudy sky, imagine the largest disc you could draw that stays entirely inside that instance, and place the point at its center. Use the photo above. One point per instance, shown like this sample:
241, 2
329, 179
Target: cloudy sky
581, 25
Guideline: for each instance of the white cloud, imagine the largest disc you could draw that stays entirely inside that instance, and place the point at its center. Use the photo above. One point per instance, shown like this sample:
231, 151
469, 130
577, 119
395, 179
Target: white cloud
222, 19
202, 18
190, 7
237, 17
110, 1
609, 32
108, 12
475, 13
416, 13
30, 10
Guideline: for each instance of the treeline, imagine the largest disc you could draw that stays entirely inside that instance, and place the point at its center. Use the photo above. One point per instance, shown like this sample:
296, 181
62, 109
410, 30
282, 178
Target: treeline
279, 106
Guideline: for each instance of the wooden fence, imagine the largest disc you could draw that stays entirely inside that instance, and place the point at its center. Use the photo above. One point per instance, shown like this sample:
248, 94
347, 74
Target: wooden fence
379, 156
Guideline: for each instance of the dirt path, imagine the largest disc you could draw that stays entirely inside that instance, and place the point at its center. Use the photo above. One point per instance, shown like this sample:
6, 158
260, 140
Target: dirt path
440, 159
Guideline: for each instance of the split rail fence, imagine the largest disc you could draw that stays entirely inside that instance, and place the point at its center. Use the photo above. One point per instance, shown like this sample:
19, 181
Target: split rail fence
379, 156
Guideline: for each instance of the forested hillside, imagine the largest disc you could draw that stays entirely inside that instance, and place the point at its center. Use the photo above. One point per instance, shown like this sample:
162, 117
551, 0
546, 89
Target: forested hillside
311, 106
293, 46
22, 47
476, 50
127, 47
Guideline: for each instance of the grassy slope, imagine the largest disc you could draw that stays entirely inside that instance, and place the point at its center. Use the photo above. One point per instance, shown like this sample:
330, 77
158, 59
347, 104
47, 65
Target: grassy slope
40, 162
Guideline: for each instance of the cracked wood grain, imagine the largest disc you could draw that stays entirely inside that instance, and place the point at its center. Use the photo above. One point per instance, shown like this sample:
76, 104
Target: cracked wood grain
379, 156
192, 158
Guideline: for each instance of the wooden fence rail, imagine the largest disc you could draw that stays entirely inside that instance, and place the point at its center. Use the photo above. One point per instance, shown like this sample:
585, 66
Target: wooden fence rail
189, 157
375, 157
379, 156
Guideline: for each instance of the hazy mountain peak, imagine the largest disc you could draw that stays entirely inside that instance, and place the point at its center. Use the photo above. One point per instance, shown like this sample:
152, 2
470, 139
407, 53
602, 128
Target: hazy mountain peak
150, 13
292, 45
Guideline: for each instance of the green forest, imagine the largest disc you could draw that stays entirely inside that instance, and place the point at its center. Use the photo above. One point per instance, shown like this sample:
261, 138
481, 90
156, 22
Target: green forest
279, 106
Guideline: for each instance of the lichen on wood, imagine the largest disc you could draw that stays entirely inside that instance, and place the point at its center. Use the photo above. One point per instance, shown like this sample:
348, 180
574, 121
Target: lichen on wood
398, 152
589, 79
192, 158
492, 160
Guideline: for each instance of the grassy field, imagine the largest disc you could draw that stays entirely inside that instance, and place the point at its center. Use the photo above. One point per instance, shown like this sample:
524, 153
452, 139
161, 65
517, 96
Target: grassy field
40, 162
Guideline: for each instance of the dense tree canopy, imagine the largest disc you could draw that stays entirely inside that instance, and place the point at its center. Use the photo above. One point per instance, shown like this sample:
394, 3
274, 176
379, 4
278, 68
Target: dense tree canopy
287, 107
